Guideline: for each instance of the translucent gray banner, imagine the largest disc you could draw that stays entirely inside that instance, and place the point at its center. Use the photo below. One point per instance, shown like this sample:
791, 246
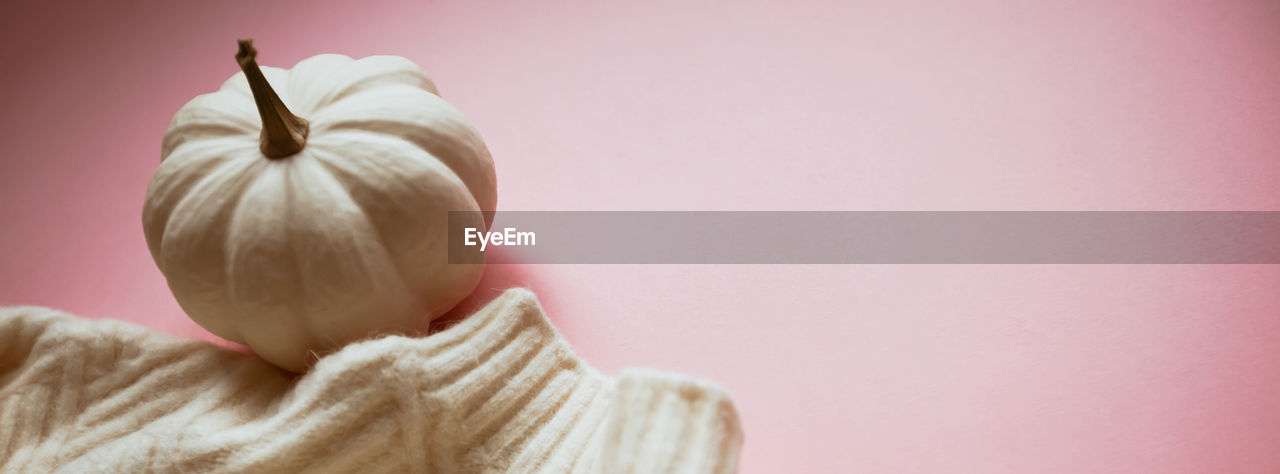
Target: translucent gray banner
978, 237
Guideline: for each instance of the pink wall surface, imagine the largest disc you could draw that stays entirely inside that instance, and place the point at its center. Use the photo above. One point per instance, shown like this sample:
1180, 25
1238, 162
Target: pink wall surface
807, 105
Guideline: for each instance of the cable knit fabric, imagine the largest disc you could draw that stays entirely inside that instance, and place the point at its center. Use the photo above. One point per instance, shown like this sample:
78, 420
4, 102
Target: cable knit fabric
499, 392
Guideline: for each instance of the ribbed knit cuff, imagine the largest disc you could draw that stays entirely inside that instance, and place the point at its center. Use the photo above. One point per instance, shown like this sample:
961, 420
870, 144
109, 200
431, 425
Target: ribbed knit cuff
669, 423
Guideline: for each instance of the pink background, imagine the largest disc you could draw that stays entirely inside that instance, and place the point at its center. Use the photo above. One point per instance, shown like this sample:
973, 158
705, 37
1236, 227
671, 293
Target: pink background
678, 105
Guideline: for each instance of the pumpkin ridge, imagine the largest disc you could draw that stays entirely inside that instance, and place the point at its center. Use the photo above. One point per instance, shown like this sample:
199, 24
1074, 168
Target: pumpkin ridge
230, 147
317, 252
451, 158
188, 124
379, 234
383, 79
305, 73
199, 185
371, 184
325, 116
173, 183
225, 175
427, 122
426, 158
207, 130
366, 98
297, 315
230, 251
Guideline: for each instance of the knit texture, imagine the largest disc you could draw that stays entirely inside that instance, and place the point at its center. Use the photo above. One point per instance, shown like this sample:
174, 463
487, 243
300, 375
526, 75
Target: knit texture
499, 392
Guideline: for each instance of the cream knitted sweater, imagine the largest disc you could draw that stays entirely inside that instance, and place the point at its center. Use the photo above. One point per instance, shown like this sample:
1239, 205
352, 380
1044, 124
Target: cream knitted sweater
499, 392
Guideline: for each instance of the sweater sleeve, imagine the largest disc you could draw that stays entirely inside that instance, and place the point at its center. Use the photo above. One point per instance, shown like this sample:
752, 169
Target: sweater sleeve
500, 392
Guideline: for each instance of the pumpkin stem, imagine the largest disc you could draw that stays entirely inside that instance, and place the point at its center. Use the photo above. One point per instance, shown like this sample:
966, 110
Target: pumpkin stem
283, 133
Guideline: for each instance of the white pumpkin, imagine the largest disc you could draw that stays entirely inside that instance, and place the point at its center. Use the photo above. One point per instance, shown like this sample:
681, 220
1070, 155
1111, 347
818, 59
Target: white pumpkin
295, 234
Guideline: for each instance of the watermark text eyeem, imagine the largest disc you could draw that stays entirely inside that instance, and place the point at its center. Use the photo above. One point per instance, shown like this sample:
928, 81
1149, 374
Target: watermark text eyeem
868, 237
509, 237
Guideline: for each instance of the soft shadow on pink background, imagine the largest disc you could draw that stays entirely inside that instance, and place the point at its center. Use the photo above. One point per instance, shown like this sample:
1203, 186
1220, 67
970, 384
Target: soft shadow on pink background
998, 105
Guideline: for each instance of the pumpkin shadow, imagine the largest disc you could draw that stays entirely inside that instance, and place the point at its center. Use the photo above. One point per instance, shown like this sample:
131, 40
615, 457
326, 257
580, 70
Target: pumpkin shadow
501, 272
